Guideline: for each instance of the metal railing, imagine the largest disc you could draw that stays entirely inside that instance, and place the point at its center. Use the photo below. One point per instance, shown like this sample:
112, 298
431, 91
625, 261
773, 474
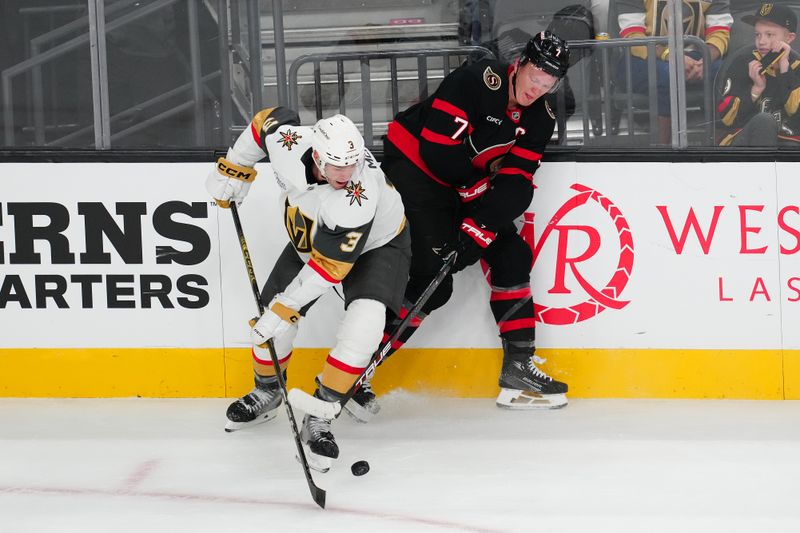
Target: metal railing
365, 60
91, 35
7, 76
243, 82
608, 74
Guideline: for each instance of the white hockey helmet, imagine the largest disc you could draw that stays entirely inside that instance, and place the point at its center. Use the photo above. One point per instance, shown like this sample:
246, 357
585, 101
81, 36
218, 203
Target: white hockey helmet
338, 142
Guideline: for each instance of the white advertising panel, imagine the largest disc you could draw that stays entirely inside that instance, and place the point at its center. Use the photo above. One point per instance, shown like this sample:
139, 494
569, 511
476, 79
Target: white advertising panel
627, 255
683, 255
789, 237
107, 255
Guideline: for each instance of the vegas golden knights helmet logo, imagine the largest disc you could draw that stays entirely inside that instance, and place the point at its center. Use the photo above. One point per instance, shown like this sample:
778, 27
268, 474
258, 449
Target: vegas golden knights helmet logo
765, 9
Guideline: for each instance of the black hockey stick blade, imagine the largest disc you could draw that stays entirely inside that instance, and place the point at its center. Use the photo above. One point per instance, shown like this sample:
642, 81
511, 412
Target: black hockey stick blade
331, 410
316, 493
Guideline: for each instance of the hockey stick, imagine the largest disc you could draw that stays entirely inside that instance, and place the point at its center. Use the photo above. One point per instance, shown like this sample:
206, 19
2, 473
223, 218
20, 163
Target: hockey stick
316, 493
330, 410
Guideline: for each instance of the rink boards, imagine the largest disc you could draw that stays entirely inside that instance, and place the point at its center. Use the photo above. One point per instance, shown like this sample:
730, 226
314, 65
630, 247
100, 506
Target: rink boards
651, 280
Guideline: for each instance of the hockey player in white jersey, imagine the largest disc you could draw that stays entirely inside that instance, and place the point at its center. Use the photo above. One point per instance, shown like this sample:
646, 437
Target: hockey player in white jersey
346, 227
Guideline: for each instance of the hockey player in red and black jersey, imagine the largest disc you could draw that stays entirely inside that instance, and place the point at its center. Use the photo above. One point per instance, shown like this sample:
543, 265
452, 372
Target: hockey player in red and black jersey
463, 161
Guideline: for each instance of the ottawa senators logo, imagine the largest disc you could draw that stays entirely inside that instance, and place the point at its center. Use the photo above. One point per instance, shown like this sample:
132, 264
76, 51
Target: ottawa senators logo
492, 80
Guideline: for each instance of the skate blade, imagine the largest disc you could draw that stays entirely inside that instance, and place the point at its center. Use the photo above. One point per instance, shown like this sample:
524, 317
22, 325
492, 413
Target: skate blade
361, 414
232, 426
318, 463
525, 399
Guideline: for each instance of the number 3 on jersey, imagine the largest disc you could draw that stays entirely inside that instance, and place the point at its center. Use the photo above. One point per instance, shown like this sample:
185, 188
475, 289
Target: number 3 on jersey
464, 123
352, 241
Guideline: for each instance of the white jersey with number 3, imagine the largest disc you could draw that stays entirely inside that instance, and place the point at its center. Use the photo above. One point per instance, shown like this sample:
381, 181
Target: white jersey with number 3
332, 226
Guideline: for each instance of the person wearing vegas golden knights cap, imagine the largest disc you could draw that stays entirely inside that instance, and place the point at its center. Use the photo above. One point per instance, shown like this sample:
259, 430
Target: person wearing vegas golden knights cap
776, 13
760, 94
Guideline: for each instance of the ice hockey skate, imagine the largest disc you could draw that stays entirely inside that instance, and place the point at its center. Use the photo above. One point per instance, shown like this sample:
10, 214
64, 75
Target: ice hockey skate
525, 386
363, 405
318, 443
255, 407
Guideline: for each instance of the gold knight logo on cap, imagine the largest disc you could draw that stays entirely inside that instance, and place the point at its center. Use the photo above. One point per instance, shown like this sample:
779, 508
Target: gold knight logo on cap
775, 13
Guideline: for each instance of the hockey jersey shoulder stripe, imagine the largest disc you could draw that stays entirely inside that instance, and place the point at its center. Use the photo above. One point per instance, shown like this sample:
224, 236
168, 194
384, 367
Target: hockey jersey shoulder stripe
793, 102
526, 154
268, 120
723, 105
257, 124
438, 138
256, 136
450, 109
730, 116
409, 146
718, 22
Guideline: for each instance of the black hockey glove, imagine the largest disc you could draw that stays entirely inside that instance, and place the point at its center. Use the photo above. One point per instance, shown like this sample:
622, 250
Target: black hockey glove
469, 245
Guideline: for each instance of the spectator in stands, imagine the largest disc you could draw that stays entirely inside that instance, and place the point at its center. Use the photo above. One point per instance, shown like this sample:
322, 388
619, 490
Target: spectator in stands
761, 94
476, 20
709, 20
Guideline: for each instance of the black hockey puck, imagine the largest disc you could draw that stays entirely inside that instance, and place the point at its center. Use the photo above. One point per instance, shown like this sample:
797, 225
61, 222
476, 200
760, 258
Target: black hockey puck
359, 468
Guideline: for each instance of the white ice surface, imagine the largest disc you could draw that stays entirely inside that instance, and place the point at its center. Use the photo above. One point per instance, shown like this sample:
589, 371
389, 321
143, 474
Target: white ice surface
143, 465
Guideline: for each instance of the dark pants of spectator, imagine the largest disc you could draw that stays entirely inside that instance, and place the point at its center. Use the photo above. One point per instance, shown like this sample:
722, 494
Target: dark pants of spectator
761, 130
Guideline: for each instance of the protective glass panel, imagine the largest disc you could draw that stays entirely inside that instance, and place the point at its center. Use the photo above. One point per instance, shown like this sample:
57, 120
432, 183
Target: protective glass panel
191, 74
163, 74
45, 72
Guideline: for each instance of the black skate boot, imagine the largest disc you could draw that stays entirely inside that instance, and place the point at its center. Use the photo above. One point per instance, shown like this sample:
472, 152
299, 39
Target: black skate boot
524, 385
364, 404
320, 445
255, 407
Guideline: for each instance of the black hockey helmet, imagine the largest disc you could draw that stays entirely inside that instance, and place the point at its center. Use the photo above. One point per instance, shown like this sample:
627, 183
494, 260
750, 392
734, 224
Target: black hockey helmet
548, 52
